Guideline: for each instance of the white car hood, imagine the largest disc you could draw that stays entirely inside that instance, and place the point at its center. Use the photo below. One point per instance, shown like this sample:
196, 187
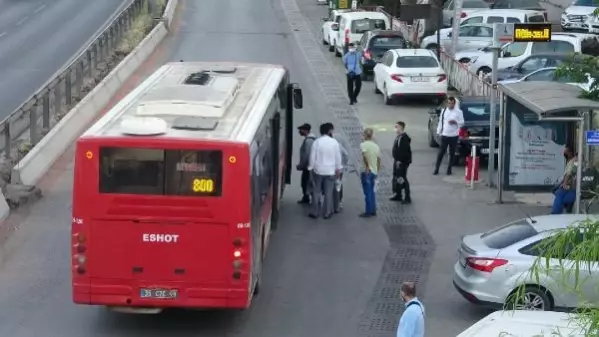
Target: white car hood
469, 54
579, 10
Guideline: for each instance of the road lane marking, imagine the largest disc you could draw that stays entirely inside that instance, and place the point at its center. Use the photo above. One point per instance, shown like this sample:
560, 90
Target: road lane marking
22, 21
39, 9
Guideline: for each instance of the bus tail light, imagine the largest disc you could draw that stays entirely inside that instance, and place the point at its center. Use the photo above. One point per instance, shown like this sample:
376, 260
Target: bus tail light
80, 257
237, 242
237, 253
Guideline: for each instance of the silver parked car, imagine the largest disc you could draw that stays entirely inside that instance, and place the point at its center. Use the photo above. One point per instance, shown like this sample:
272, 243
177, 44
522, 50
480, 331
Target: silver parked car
491, 266
472, 37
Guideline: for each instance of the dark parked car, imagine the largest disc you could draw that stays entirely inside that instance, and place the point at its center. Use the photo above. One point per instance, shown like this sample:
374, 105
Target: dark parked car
520, 4
375, 43
532, 63
476, 110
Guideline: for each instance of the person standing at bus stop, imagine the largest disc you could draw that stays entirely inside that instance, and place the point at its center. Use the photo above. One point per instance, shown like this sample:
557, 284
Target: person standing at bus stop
351, 60
371, 154
304, 161
325, 165
338, 192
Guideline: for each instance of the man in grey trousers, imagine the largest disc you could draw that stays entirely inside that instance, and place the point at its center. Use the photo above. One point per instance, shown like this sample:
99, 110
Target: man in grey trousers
325, 165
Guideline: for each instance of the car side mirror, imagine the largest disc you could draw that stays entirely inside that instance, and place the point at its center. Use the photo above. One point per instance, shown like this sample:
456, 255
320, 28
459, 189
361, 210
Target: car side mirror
506, 54
449, 34
325, 19
335, 27
298, 97
434, 111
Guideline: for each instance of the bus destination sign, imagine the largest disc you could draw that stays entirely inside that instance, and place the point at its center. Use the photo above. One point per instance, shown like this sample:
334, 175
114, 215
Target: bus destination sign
532, 32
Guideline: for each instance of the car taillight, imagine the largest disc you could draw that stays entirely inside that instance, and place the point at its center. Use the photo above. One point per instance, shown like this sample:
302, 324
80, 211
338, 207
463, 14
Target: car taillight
463, 133
80, 247
367, 54
396, 77
483, 264
463, 15
346, 36
442, 77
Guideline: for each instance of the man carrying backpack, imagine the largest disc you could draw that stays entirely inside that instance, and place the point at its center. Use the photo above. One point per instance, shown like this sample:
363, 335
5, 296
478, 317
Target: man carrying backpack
304, 155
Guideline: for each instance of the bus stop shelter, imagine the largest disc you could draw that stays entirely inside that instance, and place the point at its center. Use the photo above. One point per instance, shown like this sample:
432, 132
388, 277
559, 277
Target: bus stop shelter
551, 102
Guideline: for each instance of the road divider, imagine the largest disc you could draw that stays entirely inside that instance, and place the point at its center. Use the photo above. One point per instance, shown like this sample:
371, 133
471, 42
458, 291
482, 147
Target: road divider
36, 163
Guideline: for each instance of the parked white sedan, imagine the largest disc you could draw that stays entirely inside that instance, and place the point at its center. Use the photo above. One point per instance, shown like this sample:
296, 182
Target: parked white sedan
410, 73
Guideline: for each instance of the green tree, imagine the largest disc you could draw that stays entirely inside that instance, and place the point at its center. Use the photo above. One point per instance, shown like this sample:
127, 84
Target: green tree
577, 69
567, 257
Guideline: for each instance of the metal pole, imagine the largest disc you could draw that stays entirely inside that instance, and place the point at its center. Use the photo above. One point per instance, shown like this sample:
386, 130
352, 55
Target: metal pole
579, 165
457, 15
439, 26
472, 166
500, 156
493, 113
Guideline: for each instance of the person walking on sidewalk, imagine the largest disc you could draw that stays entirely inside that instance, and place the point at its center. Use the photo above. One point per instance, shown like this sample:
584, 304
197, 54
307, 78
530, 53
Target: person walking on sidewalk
304, 160
351, 60
402, 157
325, 165
411, 323
371, 154
448, 129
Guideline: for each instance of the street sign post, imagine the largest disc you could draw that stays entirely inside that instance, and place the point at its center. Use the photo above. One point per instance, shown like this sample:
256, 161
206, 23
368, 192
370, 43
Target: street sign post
593, 137
502, 32
455, 32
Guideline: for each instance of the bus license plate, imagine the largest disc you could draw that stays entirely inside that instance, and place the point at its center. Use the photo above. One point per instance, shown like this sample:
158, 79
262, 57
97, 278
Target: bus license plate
163, 294
419, 79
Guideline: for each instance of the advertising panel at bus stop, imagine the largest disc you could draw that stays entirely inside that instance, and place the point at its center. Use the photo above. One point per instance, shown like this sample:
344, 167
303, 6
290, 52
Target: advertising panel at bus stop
533, 149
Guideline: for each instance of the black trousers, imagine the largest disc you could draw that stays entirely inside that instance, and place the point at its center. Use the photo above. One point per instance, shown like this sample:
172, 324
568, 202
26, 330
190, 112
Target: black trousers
354, 85
305, 183
401, 171
446, 142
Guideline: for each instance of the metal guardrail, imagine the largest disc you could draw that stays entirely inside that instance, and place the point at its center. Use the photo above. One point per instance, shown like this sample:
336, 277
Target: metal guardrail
55, 98
465, 80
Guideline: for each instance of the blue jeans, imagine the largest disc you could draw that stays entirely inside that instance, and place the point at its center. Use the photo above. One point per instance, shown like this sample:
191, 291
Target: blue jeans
367, 180
562, 197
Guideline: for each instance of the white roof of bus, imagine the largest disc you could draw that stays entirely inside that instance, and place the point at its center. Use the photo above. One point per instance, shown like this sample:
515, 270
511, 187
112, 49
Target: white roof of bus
229, 106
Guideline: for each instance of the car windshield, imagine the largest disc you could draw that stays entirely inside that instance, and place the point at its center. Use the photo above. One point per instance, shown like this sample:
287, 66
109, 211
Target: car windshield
586, 3
388, 42
475, 4
509, 234
477, 111
363, 25
417, 62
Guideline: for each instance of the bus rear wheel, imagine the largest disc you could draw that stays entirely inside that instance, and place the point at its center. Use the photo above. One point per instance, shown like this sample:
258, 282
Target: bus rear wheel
257, 287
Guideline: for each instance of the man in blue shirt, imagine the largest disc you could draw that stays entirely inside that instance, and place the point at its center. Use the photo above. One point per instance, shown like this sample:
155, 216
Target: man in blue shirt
411, 323
351, 60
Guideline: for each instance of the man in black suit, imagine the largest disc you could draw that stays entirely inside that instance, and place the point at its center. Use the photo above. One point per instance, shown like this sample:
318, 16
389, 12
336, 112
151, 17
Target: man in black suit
402, 157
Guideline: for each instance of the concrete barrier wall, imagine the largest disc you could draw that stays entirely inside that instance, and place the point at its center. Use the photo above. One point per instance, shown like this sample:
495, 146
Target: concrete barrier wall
37, 162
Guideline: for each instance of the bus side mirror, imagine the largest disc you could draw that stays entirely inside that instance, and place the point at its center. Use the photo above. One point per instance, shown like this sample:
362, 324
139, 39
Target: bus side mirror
298, 98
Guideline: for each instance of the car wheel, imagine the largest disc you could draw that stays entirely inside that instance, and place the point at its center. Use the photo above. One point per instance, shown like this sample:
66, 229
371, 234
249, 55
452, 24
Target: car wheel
376, 88
324, 41
483, 71
432, 46
464, 60
388, 100
337, 53
432, 142
332, 46
533, 298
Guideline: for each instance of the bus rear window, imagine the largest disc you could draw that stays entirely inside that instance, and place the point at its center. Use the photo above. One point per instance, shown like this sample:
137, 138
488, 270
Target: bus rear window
160, 172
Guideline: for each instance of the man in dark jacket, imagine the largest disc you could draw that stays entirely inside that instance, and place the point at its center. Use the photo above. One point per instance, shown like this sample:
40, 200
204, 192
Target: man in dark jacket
304, 160
402, 157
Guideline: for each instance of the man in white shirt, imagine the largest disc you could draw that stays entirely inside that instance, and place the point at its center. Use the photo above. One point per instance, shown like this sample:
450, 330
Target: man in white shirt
325, 165
448, 129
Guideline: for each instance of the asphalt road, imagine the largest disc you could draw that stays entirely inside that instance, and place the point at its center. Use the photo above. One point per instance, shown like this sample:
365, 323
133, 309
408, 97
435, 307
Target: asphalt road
37, 37
322, 278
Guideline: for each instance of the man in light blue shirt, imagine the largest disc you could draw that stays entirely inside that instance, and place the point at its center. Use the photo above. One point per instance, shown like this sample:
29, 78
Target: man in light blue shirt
351, 60
411, 323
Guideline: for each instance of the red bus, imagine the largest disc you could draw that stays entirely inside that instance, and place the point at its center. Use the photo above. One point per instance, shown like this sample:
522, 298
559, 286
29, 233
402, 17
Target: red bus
177, 188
